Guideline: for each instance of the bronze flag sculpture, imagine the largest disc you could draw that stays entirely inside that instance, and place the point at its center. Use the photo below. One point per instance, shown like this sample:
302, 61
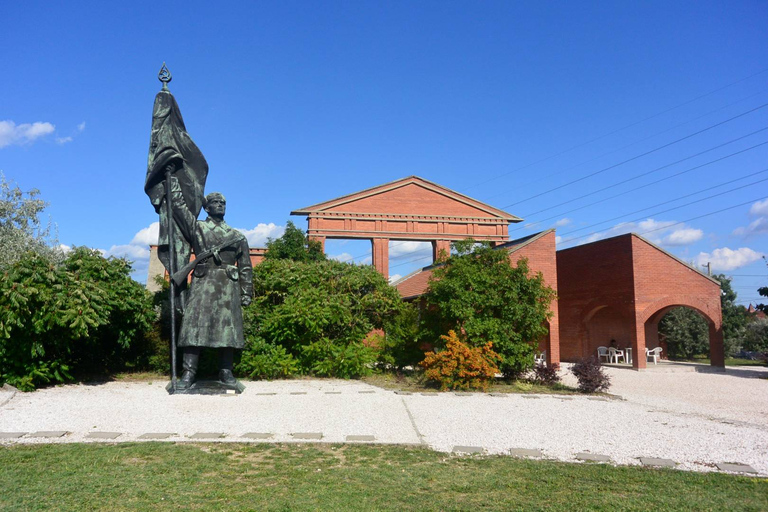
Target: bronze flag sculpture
221, 281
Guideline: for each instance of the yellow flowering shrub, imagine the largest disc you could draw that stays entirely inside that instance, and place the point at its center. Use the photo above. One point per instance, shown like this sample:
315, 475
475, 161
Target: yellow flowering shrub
460, 366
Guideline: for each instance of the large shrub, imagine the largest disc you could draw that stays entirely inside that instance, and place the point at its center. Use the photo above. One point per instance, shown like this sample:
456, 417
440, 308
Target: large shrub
84, 316
459, 366
589, 372
479, 293
320, 312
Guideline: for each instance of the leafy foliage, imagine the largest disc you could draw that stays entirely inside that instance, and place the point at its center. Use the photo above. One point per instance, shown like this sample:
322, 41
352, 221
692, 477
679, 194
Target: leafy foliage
589, 372
545, 375
86, 315
320, 312
763, 291
401, 346
686, 333
755, 337
459, 366
479, 293
21, 230
262, 360
294, 245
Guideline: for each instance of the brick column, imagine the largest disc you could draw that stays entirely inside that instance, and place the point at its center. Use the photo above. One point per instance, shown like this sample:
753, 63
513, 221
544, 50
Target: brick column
716, 348
440, 245
320, 239
638, 344
380, 251
553, 349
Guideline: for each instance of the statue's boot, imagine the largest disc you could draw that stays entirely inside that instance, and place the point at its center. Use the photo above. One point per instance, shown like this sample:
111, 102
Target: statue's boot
226, 362
190, 360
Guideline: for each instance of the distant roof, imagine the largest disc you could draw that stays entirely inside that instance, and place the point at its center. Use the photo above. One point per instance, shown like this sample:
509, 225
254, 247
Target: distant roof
494, 212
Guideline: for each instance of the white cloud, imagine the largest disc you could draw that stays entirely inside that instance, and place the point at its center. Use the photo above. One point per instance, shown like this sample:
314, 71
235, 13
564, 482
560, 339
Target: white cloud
558, 239
130, 251
756, 227
405, 249
148, 235
25, 133
257, 237
728, 259
759, 208
344, 257
668, 232
684, 236
394, 277
81, 127
562, 222
63, 140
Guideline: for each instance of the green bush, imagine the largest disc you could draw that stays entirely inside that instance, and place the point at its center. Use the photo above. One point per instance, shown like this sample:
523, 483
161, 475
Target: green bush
85, 316
479, 293
401, 345
262, 360
320, 312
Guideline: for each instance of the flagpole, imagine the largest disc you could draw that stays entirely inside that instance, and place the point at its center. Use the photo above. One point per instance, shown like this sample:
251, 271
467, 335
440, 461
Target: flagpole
172, 270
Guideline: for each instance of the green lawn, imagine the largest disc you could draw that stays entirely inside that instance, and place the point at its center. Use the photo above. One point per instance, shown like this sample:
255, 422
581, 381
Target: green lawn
164, 476
729, 361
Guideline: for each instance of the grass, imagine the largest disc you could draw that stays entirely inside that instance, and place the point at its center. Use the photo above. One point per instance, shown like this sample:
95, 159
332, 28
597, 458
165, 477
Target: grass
160, 476
729, 361
415, 383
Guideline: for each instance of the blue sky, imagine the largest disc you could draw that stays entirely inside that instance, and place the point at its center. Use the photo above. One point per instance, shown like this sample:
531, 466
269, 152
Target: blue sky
563, 113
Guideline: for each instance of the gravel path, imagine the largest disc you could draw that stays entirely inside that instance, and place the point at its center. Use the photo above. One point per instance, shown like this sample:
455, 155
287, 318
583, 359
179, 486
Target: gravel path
697, 420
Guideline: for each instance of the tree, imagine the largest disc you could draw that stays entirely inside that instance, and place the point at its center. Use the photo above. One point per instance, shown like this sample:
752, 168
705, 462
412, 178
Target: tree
481, 296
763, 291
320, 312
294, 245
686, 333
734, 315
83, 316
21, 230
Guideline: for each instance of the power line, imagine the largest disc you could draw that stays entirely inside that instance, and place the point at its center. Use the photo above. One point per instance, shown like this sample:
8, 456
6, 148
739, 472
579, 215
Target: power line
620, 129
664, 167
637, 156
676, 223
670, 209
523, 185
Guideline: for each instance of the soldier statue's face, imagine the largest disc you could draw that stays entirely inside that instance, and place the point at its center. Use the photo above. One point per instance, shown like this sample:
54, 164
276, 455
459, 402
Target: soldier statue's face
216, 206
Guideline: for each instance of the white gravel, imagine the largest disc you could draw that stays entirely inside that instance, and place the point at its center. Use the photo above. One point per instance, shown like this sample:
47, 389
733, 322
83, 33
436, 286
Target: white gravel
670, 412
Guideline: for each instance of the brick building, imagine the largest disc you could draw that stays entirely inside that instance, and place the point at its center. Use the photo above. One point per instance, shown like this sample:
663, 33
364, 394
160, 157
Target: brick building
614, 289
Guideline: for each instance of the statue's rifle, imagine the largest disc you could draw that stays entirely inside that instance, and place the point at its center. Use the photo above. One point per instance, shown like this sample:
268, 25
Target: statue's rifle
180, 276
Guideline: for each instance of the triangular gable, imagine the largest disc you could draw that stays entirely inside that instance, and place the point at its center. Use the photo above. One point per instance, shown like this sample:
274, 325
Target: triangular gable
675, 258
411, 195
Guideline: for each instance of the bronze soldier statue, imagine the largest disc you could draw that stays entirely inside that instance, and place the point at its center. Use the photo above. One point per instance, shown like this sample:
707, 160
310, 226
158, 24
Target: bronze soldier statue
222, 283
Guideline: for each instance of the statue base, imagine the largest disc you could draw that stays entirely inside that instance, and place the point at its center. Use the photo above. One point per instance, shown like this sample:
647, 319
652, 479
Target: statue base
207, 387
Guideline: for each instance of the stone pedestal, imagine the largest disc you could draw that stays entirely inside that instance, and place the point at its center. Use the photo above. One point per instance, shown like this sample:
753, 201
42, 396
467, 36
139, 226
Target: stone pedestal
207, 387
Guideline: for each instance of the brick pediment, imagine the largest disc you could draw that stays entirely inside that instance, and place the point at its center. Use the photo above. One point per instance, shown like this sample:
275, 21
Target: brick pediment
411, 197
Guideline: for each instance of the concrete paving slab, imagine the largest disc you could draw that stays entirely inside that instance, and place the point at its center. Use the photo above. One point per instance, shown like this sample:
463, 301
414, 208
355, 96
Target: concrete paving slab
48, 433
333, 392
658, 463
258, 435
361, 438
467, 449
103, 435
736, 468
156, 435
525, 452
366, 392
298, 393
404, 393
307, 435
592, 457
265, 394
11, 435
207, 435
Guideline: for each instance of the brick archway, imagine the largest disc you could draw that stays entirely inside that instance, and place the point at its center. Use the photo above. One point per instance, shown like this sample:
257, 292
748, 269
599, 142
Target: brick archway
649, 320
410, 209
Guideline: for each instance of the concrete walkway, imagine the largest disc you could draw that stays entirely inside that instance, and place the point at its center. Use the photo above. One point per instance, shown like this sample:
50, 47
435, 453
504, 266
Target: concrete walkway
691, 420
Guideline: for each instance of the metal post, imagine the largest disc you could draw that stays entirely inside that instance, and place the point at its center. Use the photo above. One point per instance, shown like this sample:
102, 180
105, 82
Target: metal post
172, 270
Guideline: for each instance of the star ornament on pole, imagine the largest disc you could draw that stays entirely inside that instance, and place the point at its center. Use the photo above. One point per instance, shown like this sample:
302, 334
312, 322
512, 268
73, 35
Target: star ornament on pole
164, 76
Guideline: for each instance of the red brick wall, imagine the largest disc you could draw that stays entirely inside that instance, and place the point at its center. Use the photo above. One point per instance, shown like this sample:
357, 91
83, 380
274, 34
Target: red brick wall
591, 277
541, 258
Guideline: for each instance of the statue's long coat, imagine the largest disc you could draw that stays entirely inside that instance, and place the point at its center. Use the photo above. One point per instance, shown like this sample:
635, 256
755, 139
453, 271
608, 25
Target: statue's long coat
213, 314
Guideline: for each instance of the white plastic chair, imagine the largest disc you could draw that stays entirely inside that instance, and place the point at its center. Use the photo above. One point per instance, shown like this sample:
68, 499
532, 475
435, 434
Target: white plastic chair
540, 357
603, 352
654, 353
615, 354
